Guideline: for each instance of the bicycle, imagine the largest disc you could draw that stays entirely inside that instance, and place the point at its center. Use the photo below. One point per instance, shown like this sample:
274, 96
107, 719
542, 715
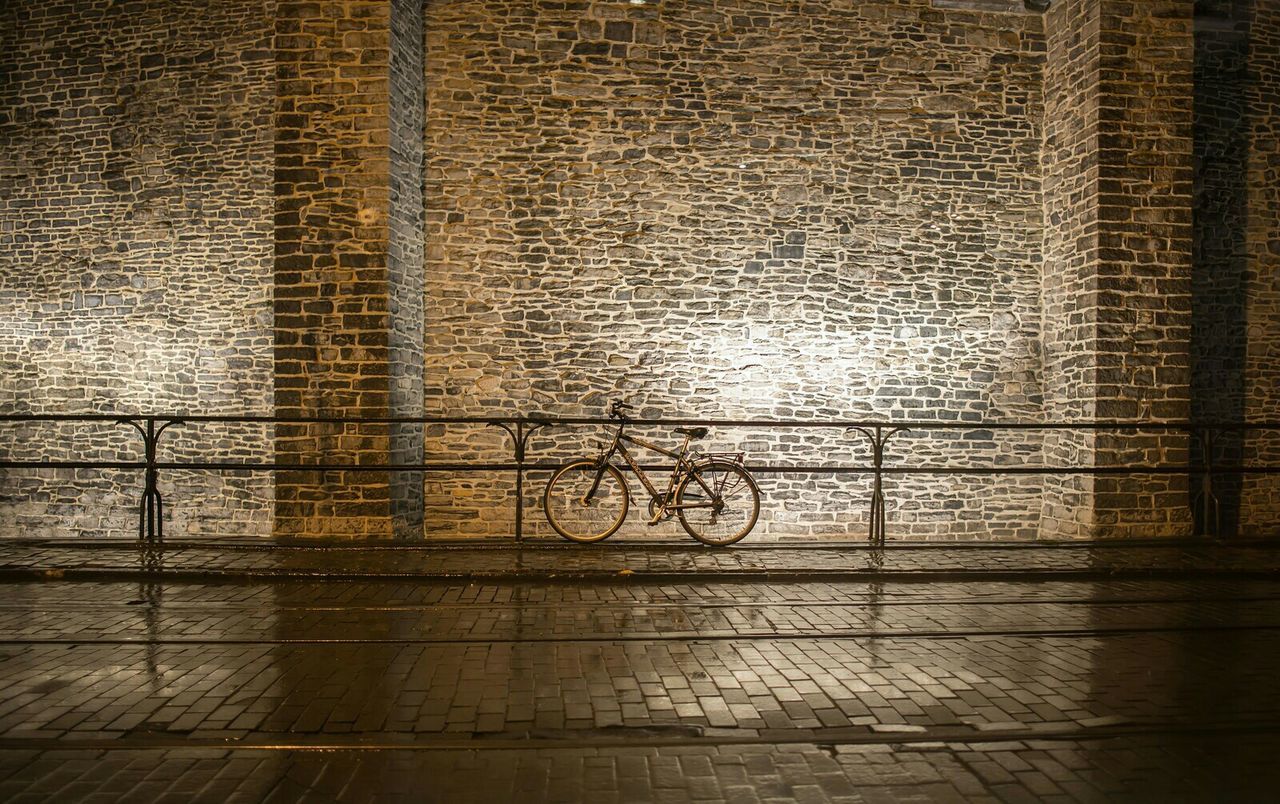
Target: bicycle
716, 500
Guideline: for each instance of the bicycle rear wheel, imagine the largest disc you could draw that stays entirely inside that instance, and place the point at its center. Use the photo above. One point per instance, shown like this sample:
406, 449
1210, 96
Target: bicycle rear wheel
586, 503
723, 500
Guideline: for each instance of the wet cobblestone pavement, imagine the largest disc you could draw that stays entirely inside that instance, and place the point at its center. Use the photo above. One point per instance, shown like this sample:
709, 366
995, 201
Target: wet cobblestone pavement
1116, 675
590, 562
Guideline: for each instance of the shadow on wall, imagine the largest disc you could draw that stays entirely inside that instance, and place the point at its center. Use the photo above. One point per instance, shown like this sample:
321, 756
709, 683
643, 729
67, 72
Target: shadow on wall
1221, 261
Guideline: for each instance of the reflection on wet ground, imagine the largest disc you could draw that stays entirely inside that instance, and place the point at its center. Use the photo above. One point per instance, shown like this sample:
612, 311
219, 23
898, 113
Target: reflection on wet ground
282, 685
665, 561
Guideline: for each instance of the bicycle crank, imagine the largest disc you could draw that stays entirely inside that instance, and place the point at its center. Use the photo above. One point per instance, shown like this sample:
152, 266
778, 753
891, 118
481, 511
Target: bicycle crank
657, 513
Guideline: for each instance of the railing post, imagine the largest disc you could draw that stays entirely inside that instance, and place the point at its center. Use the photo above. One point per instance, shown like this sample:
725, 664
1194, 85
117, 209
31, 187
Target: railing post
520, 440
877, 530
520, 437
876, 534
151, 506
151, 494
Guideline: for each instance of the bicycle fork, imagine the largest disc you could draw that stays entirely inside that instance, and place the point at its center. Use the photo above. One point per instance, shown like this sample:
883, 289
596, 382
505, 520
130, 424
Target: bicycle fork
595, 484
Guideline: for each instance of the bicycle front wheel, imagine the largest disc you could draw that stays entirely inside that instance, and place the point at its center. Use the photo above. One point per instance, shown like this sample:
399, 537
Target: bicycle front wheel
718, 503
585, 502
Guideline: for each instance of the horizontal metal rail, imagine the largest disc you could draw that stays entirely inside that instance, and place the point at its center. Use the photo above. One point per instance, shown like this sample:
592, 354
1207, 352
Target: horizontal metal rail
542, 466
521, 428
912, 424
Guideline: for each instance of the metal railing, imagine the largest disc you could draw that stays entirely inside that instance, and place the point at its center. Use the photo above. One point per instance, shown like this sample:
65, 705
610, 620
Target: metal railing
1206, 502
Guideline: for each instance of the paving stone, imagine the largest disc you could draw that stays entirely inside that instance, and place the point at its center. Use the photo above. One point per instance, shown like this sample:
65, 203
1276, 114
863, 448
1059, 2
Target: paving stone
85, 558
627, 691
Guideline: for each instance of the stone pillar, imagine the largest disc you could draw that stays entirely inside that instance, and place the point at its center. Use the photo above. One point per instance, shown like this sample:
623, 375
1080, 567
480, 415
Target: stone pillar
341, 266
1070, 179
1236, 314
406, 259
1260, 494
1117, 258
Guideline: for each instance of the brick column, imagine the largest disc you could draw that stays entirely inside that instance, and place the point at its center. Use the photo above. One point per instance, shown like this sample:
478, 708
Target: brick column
406, 259
1237, 261
1117, 258
339, 266
1260, 494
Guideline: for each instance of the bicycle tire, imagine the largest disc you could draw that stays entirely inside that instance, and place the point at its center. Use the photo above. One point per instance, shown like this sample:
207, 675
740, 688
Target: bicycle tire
711, 526
569, 484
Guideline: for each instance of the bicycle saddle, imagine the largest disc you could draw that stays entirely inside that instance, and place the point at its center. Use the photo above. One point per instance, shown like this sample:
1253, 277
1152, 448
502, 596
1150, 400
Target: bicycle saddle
692, 432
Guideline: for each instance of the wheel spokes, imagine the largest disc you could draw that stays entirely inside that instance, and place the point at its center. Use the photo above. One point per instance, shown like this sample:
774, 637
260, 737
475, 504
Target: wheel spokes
719, 504
586, 502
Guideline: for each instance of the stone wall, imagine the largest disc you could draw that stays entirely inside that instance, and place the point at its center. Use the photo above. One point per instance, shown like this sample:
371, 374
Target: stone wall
1144, 259
1117, 272
739, 209
1260, 498
135, 252
1236, 298
1068, 297
348, 267
405, 258
142, 227
898, 209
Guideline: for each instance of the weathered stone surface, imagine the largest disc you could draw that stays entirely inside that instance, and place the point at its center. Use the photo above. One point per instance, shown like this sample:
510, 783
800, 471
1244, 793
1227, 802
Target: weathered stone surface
1144, 259
135, 253
348, 271
739, 210
1236, 280
1070, 178
1117, 291
406, 254
950, 209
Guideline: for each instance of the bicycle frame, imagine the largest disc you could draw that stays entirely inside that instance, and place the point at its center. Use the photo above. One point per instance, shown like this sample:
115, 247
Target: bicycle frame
717, 483
662, 499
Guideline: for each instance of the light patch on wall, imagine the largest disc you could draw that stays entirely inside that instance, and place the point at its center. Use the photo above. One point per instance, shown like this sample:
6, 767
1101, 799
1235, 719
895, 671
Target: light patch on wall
759, 361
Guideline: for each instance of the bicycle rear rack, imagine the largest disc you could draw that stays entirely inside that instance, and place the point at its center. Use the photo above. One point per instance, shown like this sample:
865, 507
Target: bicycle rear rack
738, 458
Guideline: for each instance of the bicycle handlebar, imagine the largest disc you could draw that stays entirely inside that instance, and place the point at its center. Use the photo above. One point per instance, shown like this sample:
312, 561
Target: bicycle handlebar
617, 408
